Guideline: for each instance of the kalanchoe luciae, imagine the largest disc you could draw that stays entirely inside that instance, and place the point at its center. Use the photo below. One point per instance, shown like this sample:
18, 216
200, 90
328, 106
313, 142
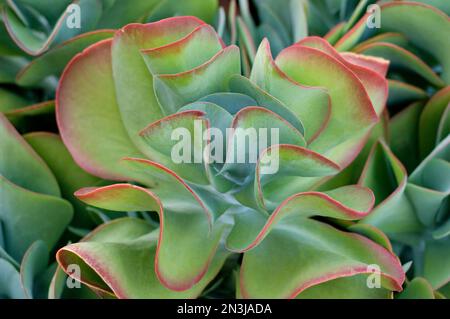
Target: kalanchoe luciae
417, 70
410, 37
24, 84
55, 32
177, 71
414, 210
19, 105
285, 22
37, 26
406, 33
37, 181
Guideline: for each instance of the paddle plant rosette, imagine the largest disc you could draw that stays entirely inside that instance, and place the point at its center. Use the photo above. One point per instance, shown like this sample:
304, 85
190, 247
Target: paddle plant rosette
410, 37
409, 174
413, 209
177, 74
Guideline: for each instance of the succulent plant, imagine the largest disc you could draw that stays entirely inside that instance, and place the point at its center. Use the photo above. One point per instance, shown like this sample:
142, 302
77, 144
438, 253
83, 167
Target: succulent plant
36, 172
176, 73
409, 37
37, 41
44, 29
414, 210
36, 26
171, 160
16, 103
411, 202
285, 22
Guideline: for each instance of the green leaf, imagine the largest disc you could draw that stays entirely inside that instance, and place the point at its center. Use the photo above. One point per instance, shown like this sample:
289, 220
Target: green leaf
9, 67
57, 284
23, 162
175, 90
266, 31
53, 61
388, 37
29, 216
217, 115
310, 105
418, 288
351, 113
300, 170
240, 153
429, 185
370, 70
184, 233
243, 85
313, 253
270, 13
204, 9
70, 176
378, 65
120, 13
34, 263
437, 262
35, 43
185, 54
107, 255
10, 281
404, 137
230, 101
134, 87
445, 291
161, 143
299, 19
335, 33
354, 287
7, 46
92, 108
347, 203
386, 176
429, 121
402, 59
372, 233
10, 101
402, 93
48, 8
423, 25
444, 125
218, 118
356, 14
246, 40
43, 108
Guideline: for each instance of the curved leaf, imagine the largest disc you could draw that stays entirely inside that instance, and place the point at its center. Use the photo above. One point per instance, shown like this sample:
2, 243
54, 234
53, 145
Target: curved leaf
34, 43
70, 176
313, 253
106, 256
133, 82
18, 161
402, 59
91, 108
429, 120
54, 61
350, 102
